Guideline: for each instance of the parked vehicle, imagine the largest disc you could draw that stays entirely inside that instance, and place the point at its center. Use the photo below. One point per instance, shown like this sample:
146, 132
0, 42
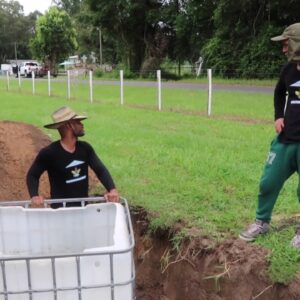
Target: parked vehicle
28, 67
42, 70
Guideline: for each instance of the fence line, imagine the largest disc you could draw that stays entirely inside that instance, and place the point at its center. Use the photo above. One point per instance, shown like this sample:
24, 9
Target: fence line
209, 92
19, 80
159, 89
91, 84
33, 83
69, 85
49, 83
121, 87
7, 81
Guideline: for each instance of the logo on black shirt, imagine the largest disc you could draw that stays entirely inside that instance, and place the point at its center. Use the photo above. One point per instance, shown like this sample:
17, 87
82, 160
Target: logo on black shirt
75, 171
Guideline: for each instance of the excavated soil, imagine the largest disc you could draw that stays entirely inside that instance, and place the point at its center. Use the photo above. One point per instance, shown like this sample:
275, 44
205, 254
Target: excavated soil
19, 144
198, 270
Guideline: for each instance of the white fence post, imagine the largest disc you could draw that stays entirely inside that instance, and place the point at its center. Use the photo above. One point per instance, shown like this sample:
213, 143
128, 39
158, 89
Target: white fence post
159, 88
49, 83
19, 78
33, 82
7, 80
200, 62
122, 86
91, 85
69, 85
209, 91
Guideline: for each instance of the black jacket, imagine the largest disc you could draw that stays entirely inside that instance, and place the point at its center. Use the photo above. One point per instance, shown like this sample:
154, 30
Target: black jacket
288, 108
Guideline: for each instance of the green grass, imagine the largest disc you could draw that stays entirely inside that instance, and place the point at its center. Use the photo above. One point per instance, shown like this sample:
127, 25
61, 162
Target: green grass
239, 81
284, 259
179, 165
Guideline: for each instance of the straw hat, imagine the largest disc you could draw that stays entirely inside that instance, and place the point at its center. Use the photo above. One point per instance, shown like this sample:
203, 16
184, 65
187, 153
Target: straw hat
62, 116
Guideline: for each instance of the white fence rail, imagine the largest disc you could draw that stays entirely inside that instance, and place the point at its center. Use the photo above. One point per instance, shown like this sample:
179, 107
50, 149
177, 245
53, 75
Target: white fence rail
72, 80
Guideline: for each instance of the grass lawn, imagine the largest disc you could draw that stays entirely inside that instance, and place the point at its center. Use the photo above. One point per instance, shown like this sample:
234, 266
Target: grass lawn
179, 165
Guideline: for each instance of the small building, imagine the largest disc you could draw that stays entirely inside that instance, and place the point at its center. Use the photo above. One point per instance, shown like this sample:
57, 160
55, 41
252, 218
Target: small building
6, 68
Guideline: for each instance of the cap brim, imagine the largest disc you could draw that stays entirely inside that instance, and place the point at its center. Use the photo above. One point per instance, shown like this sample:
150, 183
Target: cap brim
279, 38
57, 125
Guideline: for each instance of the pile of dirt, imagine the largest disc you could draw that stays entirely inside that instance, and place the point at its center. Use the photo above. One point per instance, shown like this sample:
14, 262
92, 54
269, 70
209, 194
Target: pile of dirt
19, 144
198, 270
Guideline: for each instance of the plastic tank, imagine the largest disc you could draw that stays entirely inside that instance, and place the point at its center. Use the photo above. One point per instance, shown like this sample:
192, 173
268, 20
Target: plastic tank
67, 253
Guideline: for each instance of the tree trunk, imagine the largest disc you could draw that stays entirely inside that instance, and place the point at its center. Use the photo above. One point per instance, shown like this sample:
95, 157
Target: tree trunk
179, 68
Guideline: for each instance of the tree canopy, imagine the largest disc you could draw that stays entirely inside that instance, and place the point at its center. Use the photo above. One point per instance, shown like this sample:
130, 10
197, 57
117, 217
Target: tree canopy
15, 30
232, 36
55, 37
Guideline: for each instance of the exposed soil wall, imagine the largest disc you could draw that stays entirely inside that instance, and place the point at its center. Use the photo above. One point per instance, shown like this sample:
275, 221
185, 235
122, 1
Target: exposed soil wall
202, 270
198, 270
19, 144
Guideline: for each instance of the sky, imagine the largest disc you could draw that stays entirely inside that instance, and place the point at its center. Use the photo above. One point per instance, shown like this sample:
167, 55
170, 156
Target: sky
32, 5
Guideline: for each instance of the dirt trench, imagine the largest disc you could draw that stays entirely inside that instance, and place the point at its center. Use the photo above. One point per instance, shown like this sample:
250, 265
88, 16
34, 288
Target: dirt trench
201, 269
198, 270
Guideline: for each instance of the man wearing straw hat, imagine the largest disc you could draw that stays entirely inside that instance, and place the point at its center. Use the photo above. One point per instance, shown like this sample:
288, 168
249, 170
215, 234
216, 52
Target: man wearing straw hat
284, 156
66, 162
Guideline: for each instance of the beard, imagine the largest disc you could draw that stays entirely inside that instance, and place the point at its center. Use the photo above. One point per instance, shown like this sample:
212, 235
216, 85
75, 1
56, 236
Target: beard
79, 133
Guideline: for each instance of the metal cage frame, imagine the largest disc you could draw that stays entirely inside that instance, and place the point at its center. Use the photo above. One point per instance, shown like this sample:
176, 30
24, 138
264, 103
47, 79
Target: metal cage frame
30, 291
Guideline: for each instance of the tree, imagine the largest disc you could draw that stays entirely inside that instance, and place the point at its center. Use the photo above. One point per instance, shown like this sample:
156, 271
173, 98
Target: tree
192, 23
87, 33
240, 44
135, 26
55, 38
15, 31
72, 7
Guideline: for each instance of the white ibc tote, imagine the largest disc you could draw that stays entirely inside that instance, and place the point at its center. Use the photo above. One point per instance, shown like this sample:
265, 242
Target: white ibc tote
69, 253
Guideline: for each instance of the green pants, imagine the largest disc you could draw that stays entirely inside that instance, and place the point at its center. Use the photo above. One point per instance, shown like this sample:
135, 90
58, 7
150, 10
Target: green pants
283, 160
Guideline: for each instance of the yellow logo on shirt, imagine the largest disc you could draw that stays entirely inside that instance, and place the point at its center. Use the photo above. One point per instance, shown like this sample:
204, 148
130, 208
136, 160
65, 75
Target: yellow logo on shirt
76, 172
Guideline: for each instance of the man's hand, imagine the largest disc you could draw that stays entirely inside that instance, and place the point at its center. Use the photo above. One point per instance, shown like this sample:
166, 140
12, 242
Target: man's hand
37, 201
279, 125
112, 196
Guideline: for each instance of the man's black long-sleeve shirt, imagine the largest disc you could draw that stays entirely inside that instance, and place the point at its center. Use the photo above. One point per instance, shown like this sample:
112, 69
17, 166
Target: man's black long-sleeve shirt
289, 82
67, 172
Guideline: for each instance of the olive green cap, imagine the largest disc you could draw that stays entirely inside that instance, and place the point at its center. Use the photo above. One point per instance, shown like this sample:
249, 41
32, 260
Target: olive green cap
290, 32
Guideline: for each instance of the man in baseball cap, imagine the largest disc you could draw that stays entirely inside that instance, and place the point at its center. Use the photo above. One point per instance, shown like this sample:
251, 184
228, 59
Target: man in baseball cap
283, 159
290, 39
291, 31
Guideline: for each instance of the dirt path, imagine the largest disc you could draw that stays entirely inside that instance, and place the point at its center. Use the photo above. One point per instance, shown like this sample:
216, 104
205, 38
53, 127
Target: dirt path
199, 270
